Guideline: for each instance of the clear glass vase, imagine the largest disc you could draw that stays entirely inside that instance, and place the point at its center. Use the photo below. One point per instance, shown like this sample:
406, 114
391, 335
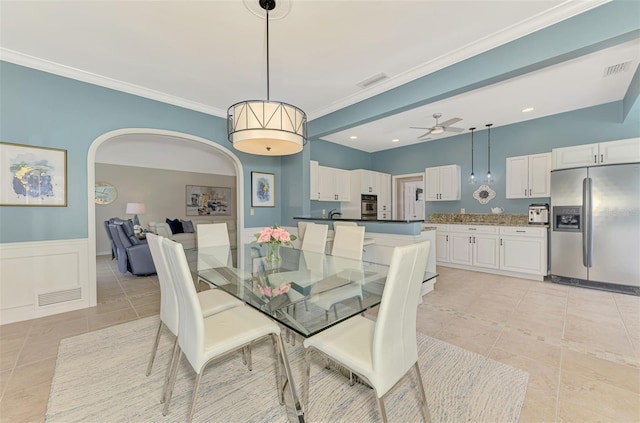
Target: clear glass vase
273, 255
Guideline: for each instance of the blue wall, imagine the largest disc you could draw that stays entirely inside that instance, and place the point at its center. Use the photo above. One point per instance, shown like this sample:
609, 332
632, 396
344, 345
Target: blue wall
41, 109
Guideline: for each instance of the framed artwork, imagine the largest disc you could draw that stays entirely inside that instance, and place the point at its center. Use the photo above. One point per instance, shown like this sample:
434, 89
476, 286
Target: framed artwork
32, 176
484, 194
105, 193
263, 193
208, 201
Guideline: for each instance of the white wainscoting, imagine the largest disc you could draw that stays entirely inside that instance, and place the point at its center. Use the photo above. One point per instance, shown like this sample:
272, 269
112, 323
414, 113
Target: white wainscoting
41, 278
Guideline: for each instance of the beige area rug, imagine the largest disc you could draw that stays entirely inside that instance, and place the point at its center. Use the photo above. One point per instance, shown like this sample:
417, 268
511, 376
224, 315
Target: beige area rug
99, 377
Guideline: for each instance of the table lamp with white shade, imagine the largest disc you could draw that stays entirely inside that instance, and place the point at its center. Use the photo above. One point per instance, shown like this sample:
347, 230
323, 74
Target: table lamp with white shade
135, 209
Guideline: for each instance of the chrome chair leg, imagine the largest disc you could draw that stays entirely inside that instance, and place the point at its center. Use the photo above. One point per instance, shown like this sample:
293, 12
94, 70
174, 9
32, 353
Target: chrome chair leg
278, 373
172, 382
249, 361
306, 376
195, 394
425, 406
289, 381
383, 412
154, 349
167, 377
335, 311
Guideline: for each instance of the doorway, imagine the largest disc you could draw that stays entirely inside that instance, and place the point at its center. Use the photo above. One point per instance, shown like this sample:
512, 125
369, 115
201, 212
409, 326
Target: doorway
178, 136
408, 195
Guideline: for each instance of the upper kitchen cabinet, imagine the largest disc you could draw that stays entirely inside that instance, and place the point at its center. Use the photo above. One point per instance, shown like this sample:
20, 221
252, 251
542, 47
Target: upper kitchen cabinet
314, 188
333, 184
604, 153
529, 176
442, 183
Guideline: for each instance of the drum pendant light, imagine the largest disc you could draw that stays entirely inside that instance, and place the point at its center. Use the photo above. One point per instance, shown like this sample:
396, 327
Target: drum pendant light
472, 177
265, 127
488, 179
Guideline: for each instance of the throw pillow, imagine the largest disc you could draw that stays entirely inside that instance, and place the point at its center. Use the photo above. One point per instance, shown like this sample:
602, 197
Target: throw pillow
187, 226
175, 225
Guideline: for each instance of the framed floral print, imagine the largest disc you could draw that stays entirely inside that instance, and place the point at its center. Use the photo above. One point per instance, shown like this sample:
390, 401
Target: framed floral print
32, 176
263, 192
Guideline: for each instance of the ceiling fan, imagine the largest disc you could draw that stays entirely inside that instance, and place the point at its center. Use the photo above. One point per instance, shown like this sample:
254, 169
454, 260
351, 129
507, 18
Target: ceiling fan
439, 128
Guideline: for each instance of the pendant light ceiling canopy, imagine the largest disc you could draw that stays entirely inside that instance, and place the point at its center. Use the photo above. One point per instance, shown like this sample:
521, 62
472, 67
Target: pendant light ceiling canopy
264, 127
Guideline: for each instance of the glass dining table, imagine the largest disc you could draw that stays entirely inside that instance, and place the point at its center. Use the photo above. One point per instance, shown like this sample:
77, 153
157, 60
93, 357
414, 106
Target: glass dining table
306, 292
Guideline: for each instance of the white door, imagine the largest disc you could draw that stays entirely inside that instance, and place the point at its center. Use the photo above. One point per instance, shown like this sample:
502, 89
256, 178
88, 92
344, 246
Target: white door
413, 204
521, 254
623, 151
517, 177
486, 251
460, 248
442, 247
432, 184
539, 175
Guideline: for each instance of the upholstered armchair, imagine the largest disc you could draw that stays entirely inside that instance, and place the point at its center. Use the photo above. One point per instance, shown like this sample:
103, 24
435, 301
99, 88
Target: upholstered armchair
133, 254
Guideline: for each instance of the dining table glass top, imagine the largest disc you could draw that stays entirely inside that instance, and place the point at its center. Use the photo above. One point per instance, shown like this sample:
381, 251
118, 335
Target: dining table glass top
305, 291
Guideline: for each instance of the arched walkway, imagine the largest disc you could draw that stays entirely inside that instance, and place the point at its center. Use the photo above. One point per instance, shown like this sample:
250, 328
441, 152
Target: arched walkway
91, 207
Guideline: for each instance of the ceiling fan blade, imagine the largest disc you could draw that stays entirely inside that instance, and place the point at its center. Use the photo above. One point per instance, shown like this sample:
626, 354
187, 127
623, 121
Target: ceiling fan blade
424, 139
450, 122
418, 127
425, 134
453, 129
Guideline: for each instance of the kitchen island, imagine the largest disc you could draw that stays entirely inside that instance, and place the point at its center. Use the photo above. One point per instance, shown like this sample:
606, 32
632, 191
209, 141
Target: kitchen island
399, 227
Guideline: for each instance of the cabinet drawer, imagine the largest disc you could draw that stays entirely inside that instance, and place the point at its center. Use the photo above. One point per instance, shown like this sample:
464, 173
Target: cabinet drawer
474, 229
523, 231
440, 227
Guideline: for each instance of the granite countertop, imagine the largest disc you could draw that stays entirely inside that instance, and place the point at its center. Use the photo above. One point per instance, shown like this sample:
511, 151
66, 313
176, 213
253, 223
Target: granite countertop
356, 220
481, 219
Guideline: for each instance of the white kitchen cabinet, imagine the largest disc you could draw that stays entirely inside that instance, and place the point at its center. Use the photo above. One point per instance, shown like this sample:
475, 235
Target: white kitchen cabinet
314, 187
529, 176
612, 152
442, 183
334, 184
509, 250
474, 246
523, 249
384, 195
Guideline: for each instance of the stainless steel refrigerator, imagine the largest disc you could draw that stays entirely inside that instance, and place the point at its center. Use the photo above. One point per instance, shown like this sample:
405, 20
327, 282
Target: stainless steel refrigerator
595, 227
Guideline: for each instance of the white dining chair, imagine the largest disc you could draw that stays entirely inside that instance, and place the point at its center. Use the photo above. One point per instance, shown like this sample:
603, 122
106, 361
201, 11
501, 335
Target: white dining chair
213, 238
315, 238
210, 301
380, 352
348, 241
302, 227
337, 224
204, 339
347, 248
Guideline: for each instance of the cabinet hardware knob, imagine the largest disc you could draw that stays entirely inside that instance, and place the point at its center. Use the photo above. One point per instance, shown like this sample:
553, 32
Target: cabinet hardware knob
601, 158
595, 158
501, 242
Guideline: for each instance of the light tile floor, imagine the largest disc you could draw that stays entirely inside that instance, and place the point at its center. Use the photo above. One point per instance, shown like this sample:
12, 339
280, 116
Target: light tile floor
581, 347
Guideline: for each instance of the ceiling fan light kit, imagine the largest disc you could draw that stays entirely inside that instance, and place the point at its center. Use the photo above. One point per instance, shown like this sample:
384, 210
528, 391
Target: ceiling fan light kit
264, 127
439, 128
488, 179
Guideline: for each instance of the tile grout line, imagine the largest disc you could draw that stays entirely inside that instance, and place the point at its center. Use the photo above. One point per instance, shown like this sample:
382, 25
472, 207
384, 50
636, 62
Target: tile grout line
15, 363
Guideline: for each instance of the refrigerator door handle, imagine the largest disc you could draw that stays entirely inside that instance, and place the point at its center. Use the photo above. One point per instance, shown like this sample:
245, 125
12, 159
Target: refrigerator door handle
587, 233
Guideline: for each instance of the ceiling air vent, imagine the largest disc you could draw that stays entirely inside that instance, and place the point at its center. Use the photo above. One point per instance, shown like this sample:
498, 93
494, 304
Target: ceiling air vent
372, 80
616, 69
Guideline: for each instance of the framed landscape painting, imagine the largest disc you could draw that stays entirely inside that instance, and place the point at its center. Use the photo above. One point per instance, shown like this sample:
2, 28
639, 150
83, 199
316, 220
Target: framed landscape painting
208, 201
263, 193
32, 176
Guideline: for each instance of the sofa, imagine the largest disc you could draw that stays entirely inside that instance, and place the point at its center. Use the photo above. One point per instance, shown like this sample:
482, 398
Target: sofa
188, 238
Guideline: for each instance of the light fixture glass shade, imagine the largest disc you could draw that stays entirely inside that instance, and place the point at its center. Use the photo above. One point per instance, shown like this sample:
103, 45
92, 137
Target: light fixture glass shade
437, 130
267, 128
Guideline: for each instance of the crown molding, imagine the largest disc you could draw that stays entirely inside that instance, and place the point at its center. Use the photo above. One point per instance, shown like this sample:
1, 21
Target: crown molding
561, 12
554, 15
21, 59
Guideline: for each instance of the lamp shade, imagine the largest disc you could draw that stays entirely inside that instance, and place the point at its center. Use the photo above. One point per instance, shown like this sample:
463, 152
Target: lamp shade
136, 208
266, 128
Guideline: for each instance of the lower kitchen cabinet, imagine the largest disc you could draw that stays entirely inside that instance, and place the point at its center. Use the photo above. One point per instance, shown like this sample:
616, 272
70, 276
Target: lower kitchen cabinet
509, 250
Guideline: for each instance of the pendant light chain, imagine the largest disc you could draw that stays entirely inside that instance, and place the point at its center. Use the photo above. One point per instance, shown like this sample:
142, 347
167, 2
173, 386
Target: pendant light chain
472, 177
267, 9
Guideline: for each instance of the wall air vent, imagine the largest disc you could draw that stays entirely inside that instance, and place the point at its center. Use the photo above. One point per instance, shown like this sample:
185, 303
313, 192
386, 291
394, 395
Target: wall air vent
616, 69
56, 297
372, 80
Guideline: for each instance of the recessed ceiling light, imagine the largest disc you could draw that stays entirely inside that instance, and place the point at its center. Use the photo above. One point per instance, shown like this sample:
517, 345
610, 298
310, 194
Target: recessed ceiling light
527, 110
395, 140
353, 137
